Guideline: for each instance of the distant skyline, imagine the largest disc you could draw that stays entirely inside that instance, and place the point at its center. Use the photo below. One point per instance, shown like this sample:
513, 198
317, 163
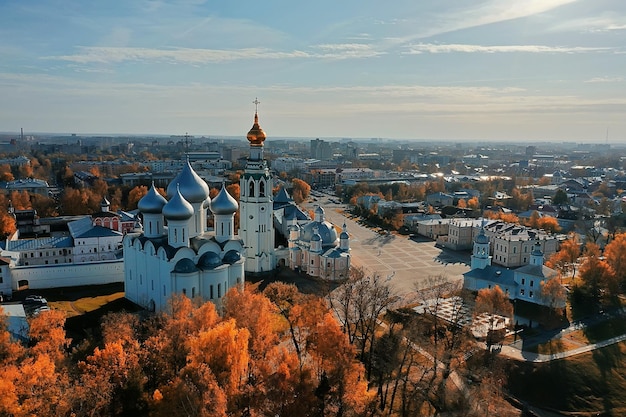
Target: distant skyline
492, 70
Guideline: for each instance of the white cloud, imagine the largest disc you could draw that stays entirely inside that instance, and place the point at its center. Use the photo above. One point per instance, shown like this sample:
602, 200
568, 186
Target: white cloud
109, 55
486, 13
605, 80
112, 55
449, 48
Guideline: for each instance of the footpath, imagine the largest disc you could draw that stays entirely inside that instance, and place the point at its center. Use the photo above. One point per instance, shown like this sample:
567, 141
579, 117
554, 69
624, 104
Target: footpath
516, 350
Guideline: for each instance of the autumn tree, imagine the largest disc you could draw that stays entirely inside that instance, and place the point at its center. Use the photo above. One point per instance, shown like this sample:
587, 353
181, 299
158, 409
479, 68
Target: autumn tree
79, 201
301, 190
499, 215
493, 302
5, 173
134, 195
615, 253
473, 203
548, 223
566, 257
597, 277
553, 292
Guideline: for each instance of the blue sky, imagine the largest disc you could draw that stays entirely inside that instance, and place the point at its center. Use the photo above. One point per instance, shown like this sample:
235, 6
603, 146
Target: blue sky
525, 70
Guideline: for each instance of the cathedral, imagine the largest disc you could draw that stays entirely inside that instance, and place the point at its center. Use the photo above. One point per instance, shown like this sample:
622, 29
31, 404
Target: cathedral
175, 252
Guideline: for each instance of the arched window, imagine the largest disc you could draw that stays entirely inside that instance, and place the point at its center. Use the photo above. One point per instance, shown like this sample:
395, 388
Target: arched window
251, 187
262, 189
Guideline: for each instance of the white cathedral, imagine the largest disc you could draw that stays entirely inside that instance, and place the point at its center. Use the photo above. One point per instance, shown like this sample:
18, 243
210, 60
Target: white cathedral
175, 252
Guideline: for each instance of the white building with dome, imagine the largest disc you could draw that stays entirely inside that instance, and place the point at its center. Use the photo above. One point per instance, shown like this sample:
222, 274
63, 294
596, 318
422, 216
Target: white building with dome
175, 252
523, 283
314, 248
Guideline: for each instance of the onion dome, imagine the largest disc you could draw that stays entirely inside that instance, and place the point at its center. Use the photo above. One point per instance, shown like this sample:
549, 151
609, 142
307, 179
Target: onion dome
537, 250
316, 237
104, 202
232, 256
324, 229
185, 266
256, 135
482, 237
209, 260
152, 202
192, 187
224, 203
344, 234
178, 208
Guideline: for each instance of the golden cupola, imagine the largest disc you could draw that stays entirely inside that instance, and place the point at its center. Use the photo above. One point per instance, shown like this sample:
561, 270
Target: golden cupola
256, 135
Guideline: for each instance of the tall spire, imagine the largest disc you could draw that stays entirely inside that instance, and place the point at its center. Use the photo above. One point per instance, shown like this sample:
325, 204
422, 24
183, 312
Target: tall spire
256, 135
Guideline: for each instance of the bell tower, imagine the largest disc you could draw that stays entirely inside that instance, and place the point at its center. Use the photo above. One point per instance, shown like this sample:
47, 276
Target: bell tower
256, 225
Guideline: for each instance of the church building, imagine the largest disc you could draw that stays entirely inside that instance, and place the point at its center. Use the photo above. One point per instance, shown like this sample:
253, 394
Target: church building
175, 252
523, 283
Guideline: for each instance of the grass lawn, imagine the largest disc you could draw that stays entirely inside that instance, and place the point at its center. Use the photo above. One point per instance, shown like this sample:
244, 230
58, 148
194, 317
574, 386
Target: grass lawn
592, 334
589, 384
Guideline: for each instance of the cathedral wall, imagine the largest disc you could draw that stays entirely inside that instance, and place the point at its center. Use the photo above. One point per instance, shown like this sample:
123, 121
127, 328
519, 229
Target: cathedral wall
53, 276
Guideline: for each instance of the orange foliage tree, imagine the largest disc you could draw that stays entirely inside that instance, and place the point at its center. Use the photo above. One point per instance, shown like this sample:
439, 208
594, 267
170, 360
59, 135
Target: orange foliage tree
134, 195
473, 203
598, 278
189, 360
567, 255
505, 217
615, 253
301, 190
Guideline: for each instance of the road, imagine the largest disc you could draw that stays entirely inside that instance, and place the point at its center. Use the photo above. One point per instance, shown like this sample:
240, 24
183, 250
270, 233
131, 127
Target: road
407, 263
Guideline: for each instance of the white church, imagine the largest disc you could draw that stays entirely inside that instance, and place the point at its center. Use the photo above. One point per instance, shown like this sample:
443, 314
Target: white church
175, 252
523, 283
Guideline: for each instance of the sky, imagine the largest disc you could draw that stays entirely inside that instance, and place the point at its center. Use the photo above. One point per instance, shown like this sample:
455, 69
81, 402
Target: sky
493, 70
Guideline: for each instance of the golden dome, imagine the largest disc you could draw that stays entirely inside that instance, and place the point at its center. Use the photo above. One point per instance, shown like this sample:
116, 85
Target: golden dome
256, 135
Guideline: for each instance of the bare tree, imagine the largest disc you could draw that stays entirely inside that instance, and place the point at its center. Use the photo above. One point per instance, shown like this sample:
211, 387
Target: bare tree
358, 304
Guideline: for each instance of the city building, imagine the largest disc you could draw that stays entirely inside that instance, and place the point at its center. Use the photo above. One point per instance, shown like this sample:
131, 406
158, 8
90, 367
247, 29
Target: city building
81, 253
523, 283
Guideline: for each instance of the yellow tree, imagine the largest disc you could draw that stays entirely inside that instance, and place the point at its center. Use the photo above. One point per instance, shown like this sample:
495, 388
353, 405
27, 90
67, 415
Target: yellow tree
549, 224
615, 253
494, 302
5, 173
473, 203
135, 195
301, 190
567, 255
596, 274
224, 349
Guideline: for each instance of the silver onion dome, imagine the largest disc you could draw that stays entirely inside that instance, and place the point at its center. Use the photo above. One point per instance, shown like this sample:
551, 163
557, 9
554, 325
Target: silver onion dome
224, 203
178, 208
152, 202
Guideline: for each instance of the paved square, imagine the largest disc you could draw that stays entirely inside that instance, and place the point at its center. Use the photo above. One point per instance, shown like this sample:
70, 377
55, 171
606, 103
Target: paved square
406, 263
